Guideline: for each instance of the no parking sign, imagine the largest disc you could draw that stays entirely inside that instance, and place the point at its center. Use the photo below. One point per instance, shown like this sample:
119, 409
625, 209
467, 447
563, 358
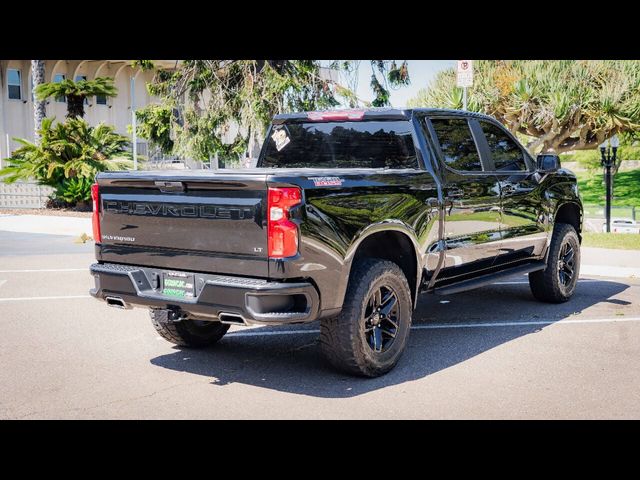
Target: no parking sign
465, 73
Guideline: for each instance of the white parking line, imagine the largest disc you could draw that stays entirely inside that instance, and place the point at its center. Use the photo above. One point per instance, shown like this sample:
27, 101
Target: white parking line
434, 326
47, 270
65, 297
526, 282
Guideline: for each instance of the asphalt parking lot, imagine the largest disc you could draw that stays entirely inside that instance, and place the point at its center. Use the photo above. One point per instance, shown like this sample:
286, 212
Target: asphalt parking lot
490, 353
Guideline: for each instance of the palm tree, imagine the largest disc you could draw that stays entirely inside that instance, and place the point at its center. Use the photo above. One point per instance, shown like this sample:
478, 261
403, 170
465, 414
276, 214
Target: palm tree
76, 92
68, 150
39, 106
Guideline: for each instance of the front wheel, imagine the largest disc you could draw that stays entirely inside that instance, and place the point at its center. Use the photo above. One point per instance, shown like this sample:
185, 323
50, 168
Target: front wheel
370, 334
557, 282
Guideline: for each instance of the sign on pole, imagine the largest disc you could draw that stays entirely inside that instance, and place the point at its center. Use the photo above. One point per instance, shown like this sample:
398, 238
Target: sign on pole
465, 73
464, 77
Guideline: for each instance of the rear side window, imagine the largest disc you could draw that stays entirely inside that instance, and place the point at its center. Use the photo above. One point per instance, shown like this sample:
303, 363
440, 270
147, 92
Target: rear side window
457, 144
506, 154
374, 144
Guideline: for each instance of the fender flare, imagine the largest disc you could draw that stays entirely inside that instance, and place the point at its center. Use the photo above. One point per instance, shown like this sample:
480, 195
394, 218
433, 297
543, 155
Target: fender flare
380, 227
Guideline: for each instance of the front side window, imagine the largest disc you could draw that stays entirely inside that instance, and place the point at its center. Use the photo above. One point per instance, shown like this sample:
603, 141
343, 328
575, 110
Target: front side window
57, 78
366, 144
506, 154
456, 142
14, 84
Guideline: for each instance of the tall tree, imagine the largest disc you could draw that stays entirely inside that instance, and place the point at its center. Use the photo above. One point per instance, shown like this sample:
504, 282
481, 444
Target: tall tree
39, 106
76, 92
562, 104
206, 100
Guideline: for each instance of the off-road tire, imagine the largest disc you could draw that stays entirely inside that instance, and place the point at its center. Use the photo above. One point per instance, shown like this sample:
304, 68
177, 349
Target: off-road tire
546, 285
342, 338
187, 333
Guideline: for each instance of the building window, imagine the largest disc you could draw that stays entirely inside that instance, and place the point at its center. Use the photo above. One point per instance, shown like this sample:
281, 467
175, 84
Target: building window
57, 78
101, 99
14, 83
79, 78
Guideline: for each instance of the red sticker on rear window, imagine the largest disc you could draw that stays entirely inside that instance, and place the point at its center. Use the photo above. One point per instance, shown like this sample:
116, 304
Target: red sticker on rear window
326, 181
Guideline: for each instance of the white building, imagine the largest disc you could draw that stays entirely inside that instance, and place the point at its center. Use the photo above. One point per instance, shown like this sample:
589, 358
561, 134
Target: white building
16, 101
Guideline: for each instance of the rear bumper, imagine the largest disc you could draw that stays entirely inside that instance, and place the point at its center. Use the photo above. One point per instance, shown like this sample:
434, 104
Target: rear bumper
216, 297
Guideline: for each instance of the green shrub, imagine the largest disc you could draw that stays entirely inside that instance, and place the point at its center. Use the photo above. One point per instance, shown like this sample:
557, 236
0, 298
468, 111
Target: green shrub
69, 150
74, 190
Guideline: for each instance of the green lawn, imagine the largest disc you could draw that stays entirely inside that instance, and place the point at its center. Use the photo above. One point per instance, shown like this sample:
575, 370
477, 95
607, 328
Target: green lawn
624, 241
626, 189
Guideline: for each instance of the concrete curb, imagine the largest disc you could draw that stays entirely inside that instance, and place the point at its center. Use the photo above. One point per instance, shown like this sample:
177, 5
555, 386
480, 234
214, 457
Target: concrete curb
606, 271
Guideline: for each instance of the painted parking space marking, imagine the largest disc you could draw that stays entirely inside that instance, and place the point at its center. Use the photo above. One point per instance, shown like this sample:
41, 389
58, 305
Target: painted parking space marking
526, 282
47, 270
61, 297
435, 326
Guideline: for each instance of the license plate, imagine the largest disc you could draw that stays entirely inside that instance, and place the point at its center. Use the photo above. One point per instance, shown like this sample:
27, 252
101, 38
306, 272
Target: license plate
179, 285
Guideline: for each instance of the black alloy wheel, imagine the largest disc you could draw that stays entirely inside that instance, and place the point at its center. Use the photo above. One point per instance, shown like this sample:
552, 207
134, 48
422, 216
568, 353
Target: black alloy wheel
381, 319
566, 265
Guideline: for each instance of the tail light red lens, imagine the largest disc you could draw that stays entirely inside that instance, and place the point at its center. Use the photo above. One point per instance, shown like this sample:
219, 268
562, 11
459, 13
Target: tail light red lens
282, 233
95, 218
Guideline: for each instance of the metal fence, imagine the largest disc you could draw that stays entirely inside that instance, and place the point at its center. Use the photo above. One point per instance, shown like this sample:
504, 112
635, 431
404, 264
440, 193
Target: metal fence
24, 195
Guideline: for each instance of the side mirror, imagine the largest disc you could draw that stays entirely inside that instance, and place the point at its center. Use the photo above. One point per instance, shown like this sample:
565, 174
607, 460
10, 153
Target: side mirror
548, 162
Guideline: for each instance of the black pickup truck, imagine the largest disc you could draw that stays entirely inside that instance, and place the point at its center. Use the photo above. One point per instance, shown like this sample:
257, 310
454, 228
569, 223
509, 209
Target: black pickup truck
349, 215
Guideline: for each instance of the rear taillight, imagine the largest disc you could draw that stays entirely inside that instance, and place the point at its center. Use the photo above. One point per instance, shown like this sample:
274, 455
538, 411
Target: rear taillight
95, 218
282, 233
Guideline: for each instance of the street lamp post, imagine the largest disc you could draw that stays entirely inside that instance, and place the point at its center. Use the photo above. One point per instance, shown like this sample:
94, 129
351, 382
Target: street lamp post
608, 160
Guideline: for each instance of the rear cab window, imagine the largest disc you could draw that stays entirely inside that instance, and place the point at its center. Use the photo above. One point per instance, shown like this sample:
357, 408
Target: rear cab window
341, 144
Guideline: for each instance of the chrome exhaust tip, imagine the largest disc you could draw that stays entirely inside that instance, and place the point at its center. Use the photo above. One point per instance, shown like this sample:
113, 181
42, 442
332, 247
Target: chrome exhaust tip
117, 302
231, 319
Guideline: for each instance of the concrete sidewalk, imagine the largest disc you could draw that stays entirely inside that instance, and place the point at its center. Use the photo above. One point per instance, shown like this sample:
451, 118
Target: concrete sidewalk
48, 224
609, 262
595, 261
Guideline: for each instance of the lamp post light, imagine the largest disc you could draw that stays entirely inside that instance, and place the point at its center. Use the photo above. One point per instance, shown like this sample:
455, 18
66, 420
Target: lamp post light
608, 160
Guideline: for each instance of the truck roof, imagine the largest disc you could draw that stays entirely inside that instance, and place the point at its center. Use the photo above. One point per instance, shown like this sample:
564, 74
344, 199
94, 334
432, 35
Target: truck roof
380, 113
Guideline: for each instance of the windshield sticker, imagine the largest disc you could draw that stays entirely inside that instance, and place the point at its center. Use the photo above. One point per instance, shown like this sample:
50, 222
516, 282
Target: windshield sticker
281, 139
326, 181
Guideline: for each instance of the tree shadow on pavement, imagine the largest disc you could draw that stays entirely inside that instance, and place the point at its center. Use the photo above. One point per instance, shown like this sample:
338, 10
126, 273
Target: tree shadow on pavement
293, 363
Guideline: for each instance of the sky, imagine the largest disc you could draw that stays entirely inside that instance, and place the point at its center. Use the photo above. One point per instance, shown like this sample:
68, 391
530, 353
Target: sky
420, 72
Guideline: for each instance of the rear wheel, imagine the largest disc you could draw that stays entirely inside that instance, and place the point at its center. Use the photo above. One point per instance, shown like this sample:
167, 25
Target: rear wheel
370, 334
557, 282
187, 333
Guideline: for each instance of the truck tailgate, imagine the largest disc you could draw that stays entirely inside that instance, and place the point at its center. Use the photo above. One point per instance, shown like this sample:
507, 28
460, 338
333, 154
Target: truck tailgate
200, 221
